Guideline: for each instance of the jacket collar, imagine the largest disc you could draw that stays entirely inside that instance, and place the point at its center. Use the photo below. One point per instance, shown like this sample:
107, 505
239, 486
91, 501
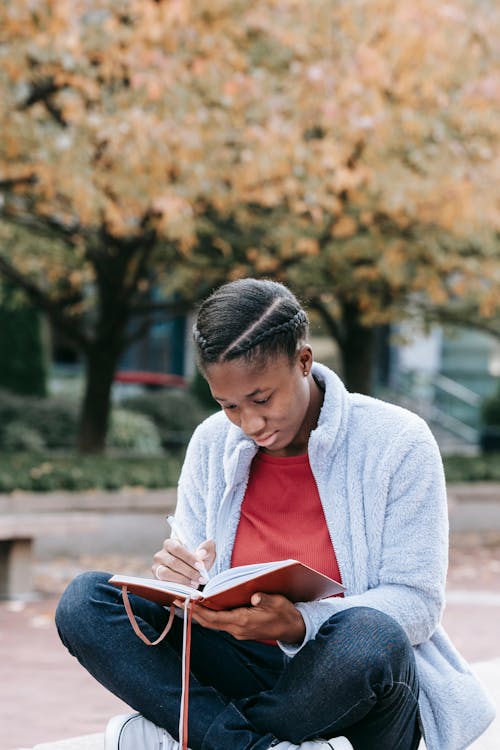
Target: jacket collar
331, 429
328, 435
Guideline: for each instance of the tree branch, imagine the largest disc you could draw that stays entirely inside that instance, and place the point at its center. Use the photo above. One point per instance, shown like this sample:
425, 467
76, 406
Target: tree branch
465, 319
46, 226
42, 301
12, 182
43, 91
331, 323
140, 271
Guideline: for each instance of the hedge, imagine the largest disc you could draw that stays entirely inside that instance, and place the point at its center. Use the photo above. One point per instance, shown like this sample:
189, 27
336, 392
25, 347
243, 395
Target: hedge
175, 412
147, 424
484, 468
49, 473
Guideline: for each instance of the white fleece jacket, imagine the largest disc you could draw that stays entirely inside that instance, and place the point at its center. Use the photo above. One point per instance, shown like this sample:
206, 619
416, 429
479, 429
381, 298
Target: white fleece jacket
381, 483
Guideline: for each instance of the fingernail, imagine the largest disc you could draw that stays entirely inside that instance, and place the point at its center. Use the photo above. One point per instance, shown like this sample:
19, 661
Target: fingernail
202, 553
203, 579
195, 584
199, 566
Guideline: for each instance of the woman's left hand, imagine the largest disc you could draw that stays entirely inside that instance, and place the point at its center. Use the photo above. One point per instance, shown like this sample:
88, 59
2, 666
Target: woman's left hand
270, 617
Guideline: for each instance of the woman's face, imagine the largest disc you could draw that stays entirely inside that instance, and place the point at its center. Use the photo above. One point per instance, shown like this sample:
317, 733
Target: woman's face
276, 405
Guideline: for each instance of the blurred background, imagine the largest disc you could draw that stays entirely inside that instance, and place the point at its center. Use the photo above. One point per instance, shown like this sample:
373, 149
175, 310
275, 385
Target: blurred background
153, 150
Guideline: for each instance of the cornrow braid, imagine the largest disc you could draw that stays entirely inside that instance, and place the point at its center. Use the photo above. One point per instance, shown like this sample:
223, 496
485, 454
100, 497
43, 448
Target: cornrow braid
204, 346
287, 327
249, 318
199, 340
247, 332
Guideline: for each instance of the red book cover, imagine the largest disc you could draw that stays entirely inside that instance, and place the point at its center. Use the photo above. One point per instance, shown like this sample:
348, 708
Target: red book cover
234, 587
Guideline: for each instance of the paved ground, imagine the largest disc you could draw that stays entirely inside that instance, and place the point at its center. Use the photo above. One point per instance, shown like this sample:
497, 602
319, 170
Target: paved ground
45, 696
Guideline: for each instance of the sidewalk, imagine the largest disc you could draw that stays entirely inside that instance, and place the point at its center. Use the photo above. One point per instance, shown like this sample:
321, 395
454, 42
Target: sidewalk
45, 696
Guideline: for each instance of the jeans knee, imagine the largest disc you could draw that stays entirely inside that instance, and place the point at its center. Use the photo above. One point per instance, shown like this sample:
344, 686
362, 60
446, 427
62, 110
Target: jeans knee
392, 655
73, 608
375, 642
376, 623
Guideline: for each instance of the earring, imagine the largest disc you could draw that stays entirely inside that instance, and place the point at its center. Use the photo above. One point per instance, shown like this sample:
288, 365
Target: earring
305, 373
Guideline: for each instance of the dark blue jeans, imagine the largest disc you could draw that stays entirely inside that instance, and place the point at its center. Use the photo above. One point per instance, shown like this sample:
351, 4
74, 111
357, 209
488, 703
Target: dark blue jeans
356, 678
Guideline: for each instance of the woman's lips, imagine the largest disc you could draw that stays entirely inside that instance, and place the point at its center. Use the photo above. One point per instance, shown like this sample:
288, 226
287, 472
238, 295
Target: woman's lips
265, 442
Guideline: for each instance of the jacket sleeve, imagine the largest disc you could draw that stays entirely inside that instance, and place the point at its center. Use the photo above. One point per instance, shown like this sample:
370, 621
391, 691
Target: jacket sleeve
191, 510
410, 582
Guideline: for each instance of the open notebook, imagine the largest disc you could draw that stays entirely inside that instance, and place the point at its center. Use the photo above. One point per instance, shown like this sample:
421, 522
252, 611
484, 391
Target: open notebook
235, 586
231, 588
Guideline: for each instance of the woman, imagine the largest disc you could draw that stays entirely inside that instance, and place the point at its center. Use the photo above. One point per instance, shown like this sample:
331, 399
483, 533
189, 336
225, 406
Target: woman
293, 467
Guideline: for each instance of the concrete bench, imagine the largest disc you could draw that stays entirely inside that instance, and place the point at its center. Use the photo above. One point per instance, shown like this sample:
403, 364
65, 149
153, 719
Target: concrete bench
18, 532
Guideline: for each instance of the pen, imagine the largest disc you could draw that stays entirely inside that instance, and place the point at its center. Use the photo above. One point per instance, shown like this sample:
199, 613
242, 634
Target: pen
175, 532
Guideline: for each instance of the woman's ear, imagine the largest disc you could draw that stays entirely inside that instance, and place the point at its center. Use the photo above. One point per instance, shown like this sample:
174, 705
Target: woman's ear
305, 359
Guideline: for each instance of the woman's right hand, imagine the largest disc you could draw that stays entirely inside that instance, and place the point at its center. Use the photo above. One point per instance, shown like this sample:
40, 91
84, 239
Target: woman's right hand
173, 562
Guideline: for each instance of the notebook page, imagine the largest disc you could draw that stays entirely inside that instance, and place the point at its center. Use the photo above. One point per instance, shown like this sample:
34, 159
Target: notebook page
233, 576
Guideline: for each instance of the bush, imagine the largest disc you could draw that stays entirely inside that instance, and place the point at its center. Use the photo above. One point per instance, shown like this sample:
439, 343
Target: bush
55, 419
490, 410
130, 431
17, 436
489, 435
142, 424
472, 468
175, 412
45, 473
201, 391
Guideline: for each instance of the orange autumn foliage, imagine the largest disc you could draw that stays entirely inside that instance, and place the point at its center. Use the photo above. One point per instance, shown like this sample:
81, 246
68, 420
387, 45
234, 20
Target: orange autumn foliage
351, 148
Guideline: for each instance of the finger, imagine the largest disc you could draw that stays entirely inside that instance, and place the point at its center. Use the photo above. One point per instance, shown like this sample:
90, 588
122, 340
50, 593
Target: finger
201, 617
207, 617
176, 551
206, 552
157, 571
179, 563
164, 573
174, 566
268, 600
202, 564
223, 619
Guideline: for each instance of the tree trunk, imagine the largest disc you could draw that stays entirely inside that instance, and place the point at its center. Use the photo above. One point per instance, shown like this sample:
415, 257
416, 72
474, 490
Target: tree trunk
357, 350
101, 363
115, 289
355, 341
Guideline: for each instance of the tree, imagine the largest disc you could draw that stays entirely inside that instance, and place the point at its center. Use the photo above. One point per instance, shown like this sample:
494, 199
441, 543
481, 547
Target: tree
348, 148
382, 200
81, 172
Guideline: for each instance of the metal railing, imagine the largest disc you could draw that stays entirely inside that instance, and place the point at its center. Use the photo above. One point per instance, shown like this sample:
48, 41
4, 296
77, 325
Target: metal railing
441, 401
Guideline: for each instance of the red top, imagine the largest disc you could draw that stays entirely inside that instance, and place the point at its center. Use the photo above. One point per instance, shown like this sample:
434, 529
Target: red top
282, 516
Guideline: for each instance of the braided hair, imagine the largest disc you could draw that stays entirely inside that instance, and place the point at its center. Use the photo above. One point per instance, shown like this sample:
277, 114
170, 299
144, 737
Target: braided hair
249, 318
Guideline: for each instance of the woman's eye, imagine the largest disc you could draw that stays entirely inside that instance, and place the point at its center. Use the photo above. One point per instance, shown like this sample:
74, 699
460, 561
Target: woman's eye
263, 401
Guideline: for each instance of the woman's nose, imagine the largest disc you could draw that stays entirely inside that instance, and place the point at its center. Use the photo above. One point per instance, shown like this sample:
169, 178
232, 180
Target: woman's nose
252, 424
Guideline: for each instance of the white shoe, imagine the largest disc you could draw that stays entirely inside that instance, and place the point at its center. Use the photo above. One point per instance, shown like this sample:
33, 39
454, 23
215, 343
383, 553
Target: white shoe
134, 732
336, 743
